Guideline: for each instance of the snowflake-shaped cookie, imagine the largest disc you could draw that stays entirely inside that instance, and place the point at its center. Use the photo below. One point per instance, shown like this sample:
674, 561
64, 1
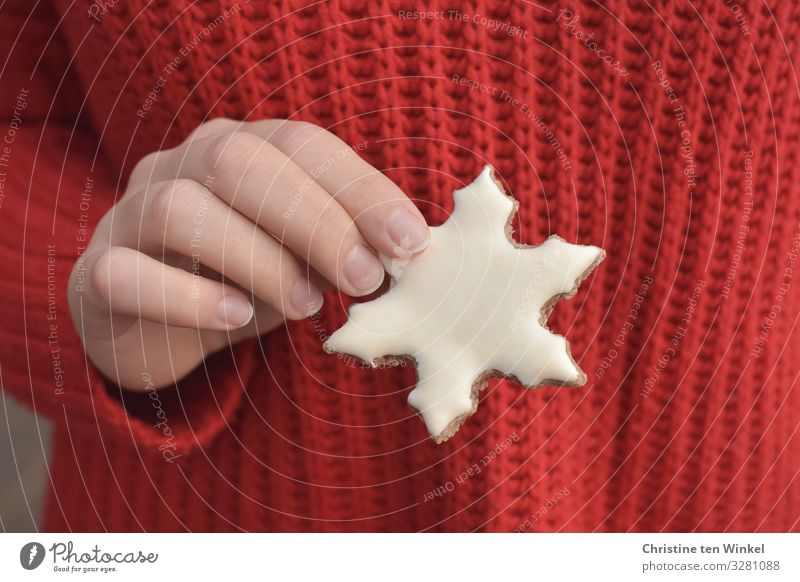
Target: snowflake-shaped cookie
472, 306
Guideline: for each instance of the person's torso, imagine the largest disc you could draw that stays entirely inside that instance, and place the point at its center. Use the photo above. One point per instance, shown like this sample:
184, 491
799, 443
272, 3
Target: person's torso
620, 125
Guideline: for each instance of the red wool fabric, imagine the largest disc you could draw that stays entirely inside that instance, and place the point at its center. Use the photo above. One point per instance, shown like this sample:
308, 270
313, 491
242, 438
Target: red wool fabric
681, 161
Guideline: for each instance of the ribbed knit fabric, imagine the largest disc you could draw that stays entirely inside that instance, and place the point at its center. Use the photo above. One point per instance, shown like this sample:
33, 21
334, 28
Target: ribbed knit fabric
687, 332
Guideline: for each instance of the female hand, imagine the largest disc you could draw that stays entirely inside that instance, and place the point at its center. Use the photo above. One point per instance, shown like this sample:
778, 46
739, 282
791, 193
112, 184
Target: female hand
280, 209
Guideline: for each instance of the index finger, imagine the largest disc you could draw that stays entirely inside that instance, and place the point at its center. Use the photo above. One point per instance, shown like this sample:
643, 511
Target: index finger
384, 215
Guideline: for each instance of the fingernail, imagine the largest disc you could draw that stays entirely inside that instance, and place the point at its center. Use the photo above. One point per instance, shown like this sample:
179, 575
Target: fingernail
407, 232
363, 270
306, 298
235, 311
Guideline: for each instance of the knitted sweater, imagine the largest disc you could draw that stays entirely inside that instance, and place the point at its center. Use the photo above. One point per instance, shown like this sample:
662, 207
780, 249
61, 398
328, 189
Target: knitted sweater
667, 133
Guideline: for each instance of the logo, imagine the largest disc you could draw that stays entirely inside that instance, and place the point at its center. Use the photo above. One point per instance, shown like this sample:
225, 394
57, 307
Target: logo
31, 555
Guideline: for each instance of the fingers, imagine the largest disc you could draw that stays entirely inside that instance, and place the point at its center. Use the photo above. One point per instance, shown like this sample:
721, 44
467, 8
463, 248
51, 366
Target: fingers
265, 319
386, 217
259, 181
307, 188
131, 283
157, 166
184, 217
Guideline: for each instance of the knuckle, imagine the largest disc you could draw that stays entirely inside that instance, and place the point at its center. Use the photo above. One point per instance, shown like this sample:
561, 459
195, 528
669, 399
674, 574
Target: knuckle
159, 198
171, 200
230, 152
110, 265
291, 136
217, 125
212, 127
144, 170
146, 163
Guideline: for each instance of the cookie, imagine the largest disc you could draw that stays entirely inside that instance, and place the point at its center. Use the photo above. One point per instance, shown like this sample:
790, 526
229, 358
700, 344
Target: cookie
472, 306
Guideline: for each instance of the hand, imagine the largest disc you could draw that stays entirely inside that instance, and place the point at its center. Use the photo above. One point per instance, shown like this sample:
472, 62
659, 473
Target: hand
278, 210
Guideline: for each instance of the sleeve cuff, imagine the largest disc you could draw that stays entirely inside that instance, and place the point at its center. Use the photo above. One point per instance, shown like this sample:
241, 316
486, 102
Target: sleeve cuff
177, 419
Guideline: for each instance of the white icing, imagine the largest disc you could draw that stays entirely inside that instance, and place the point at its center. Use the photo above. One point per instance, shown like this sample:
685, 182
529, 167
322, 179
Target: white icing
468, 304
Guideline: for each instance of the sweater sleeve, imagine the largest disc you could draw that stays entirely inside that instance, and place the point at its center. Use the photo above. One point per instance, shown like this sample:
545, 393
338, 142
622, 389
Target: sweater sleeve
54, 188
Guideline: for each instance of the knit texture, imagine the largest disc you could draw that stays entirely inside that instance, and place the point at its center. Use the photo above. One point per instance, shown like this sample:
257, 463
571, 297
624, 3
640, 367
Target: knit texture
669, 137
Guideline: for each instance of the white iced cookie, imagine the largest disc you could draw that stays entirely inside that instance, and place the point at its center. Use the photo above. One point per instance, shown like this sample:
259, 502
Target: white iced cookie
472, 306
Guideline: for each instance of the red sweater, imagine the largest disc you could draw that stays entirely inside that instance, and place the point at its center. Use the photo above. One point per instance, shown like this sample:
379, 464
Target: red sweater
667, 133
